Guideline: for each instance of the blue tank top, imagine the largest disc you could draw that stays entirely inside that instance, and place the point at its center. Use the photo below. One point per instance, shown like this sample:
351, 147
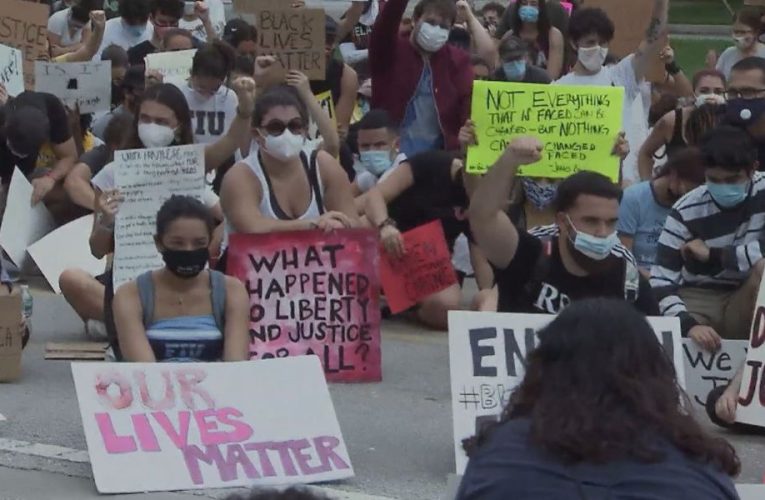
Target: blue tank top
186, 339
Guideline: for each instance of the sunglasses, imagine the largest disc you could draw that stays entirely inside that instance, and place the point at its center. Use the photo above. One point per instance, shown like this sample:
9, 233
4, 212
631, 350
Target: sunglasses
277, 127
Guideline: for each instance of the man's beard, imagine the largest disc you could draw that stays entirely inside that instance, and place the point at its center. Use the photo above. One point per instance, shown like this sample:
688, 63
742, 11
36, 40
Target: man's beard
589, 264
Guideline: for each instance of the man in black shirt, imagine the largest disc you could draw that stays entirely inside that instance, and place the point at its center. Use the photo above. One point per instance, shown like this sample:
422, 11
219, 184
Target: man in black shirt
578, 257
165, 15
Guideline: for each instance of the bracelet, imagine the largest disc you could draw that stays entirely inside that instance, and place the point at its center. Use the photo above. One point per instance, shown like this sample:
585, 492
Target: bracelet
672, 68
386, 222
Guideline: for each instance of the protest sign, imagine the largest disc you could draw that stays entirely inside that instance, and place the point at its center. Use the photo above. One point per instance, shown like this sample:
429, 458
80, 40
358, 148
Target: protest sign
751, 396
11, 70
172, 64
313, 293
327, 104
24, 25
65, 248
23, 223
425, 269
706, 370
147, 178
84, 84
578, 126
487, 358
10, 337
630, 19
179, 426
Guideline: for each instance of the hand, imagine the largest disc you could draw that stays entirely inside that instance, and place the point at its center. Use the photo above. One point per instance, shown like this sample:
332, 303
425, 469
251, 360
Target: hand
202, 11
244, 87
696, 250
153, 77
263, 65
667, 55
41, 186
330, 221
98, 20
467, 136
464, 12
725, 408
710, 61
108, 206
392, 241
300, 81
621, 146
525, 150
706, 337
3, 95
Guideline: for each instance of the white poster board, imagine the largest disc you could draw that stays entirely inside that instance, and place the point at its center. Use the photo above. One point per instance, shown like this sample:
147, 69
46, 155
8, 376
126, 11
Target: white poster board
146, 178
180, 426
23, 224
11, 70
751, 397
87, 84
482, 380
176, 65
706, 370
68, 247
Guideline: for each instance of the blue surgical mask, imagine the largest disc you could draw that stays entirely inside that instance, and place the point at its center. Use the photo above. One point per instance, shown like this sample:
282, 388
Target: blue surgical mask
515, 71
593, 247
539, 195
528, 13
376, 162
728, 195
744, 112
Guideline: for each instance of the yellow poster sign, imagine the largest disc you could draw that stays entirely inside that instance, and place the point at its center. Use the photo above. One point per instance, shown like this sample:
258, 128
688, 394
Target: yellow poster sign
327, 104
578, 126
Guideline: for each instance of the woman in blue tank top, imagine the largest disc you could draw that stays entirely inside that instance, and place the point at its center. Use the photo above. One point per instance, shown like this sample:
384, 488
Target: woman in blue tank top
183, 312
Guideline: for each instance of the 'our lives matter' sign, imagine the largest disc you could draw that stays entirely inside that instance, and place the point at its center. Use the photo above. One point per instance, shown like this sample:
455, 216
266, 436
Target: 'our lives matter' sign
313, 293
487, 358
178, 426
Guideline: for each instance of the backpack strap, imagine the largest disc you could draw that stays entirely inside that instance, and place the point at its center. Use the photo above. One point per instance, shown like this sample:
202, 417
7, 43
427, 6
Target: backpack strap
218, 298
146, 296
631, 281
315, 181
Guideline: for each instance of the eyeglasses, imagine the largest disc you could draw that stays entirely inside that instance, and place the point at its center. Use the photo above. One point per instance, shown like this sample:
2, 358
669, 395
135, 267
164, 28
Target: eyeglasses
277, 127
168, 24
744, 93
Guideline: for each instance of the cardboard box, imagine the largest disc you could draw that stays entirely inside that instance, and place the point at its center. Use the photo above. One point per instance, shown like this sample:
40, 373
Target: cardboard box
10, 337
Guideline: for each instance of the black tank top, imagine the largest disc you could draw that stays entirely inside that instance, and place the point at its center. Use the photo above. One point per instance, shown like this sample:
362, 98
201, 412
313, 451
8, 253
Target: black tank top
678, 141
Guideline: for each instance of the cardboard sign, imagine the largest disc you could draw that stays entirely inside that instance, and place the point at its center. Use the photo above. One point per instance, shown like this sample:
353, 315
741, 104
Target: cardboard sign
327, 104
487, 358
313, 293
751, 400
147, 178
24, 25
10, 337
11, 70
84, 84
180, 426
172, 64
706, 370
65, 248
23, 224
630, 20
578, 126
425, 269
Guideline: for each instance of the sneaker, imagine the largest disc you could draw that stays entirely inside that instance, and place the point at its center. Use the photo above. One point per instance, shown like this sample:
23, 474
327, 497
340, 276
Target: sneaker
96, 330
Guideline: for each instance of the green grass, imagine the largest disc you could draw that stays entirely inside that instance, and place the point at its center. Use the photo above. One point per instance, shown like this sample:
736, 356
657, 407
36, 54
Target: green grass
701, 11
691, 54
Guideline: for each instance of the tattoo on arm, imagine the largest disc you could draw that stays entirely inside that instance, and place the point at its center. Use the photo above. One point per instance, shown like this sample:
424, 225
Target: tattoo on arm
653, 31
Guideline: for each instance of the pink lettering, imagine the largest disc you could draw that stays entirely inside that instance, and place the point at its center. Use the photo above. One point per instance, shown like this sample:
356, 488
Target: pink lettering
193, 455
180, 438
143, 431
207, 429
266, 467
235, 457
302, 458
284, 455
114, 444
189, 380
325, 447
241, 431
105, 380
167, 403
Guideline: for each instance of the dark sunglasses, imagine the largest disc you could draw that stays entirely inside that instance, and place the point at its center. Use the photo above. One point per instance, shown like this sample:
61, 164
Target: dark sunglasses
277, 127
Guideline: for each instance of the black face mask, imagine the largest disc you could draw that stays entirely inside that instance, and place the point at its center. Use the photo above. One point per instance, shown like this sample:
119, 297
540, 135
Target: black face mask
186, 264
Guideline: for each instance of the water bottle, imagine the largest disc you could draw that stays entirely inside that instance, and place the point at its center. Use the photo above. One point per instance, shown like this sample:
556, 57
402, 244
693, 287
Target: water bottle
27, 301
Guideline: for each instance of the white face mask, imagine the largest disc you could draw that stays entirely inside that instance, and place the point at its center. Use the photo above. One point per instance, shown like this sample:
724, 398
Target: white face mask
284, 147
592, 58
431, 38
702, 99
155, 136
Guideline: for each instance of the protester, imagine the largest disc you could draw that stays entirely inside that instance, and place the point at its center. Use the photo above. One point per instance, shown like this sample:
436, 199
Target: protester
477, 39
378, 145
557, 14
118, 58
579, 257
491, 13
68, 28
199, 21
88, 49
423, 83
709, 260
515, 64
131, 28
746, 100
532, 25
129, 93
669, 131
242, 36
746, 28
645, 206
176, 39
164, 15
183, 312
597, 413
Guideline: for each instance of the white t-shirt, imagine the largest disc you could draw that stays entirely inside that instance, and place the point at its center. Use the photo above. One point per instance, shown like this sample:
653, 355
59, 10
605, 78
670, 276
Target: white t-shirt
211, 117
731, 56
116, 33
366, 180
196, 27
58, 24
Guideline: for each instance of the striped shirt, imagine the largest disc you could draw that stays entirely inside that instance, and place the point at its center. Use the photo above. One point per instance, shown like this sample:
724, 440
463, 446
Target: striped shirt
734, 237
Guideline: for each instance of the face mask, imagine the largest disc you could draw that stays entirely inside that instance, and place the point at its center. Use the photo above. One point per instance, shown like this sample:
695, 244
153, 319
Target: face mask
528, 13
592, 58
744, 112
431, 38
539, 195
592, 246
376, 162
284, 147
702, 99
742, 42
134, 31
515, 71
186, 264
728, 195
155, 136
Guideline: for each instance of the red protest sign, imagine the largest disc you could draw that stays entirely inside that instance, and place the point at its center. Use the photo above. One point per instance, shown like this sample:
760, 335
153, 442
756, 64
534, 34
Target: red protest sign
313, 293
425, 269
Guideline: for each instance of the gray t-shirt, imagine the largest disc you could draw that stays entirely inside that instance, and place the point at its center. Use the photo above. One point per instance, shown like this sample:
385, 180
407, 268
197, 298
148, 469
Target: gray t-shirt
731, 56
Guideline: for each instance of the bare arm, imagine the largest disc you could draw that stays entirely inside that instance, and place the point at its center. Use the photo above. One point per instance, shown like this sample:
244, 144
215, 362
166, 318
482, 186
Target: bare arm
349, 87
352, 16
660, 135
327, 129
555, 56
652, 44
238, 133
483, 44
338, 196
128, 318
236, 338
102, 234
90, 47
66, 154
387, 190
78, 188
484, 274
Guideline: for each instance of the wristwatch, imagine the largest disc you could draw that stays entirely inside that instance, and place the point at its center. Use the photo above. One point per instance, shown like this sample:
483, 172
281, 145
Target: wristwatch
386, 222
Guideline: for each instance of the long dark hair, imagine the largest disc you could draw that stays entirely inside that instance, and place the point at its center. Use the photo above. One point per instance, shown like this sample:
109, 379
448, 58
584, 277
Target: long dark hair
173, 98
600, 387
543, 26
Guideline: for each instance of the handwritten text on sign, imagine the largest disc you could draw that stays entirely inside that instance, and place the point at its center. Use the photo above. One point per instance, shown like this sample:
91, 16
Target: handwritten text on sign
313, 293
83, 84
147, 178
295, 37
751, 401
24, 25
172, 426
487, 358
706, 370
11, 71
425, 269
578, 126
172, 64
